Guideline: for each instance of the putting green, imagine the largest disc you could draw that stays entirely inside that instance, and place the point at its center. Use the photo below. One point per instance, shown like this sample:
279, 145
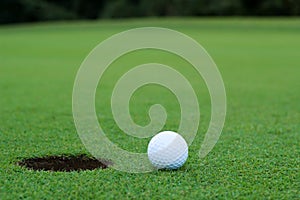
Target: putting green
258, 152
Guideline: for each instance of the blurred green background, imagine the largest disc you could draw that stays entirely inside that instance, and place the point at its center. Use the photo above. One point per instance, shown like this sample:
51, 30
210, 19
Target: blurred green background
12, 11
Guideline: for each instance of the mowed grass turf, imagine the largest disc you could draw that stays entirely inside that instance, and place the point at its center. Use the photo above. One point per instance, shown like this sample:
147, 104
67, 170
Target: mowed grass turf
256, 157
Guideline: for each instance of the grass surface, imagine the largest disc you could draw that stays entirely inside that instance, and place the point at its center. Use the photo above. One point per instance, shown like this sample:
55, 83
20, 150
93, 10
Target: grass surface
256, 157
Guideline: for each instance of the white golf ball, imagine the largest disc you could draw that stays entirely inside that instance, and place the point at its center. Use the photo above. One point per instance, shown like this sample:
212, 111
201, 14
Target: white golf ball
167, 150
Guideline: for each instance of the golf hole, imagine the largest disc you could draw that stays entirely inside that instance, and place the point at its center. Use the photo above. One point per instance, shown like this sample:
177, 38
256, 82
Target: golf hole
64, 163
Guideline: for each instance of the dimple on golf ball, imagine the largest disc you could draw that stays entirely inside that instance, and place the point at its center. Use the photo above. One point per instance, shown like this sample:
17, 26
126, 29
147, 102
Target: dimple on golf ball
167, 150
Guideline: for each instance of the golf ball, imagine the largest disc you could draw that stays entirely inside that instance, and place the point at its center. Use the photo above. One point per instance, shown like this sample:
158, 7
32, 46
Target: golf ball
167, 150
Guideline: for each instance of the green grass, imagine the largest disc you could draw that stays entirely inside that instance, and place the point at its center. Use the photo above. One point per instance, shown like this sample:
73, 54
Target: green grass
257, 156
